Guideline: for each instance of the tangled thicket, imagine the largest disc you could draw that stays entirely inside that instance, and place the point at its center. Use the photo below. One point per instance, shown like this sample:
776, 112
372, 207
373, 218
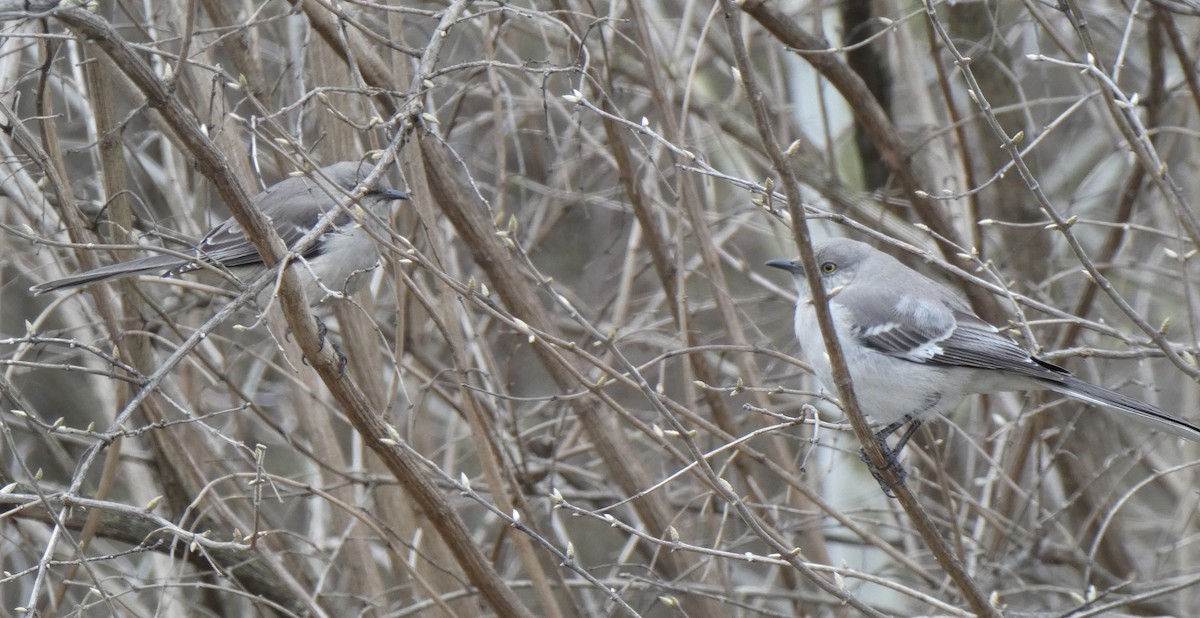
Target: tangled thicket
569, 390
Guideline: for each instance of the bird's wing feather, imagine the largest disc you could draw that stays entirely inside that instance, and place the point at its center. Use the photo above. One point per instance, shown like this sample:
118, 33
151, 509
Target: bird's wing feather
936, 333
898, 325
977, 344
226, 244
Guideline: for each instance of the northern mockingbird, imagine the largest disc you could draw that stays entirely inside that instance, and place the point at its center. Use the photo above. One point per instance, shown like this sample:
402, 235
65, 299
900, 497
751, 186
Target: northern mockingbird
914, 348
294, 206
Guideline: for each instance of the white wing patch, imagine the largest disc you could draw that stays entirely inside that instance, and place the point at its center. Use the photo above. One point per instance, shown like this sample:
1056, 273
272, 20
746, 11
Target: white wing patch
908, 341
925, 351
880, 329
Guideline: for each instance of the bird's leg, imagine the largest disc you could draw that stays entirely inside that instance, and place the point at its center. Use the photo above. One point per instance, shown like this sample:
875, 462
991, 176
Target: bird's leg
883, 434
908, 434
890, 455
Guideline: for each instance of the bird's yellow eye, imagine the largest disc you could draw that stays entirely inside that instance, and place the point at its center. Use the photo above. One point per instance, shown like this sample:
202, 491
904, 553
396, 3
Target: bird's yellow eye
828, 268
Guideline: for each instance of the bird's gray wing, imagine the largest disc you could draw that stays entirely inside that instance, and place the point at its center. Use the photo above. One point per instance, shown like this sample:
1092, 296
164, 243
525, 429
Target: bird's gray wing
227, 245
897, 324
977, 344
934, 332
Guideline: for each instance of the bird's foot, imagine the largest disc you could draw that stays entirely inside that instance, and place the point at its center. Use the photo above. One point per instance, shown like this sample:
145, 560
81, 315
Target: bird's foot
341, 359
893, 462
321, 332
322, 337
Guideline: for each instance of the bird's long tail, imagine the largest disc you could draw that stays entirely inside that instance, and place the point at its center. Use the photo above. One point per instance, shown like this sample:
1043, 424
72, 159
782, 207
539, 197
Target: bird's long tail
140, 266
1138, 410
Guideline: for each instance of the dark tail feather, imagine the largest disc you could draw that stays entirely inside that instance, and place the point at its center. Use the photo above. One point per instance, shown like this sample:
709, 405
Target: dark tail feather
1138, 410
140, 266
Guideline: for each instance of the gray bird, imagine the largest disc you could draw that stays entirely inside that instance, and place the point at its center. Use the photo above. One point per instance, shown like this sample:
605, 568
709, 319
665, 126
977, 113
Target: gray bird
294, 207
914, 348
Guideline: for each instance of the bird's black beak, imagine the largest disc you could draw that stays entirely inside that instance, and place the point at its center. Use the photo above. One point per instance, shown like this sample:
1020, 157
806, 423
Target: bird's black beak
792, 266
392, 194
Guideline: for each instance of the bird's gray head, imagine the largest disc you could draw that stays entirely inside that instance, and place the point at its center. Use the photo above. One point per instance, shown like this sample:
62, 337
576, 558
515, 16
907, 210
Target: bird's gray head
838, 261
347, 174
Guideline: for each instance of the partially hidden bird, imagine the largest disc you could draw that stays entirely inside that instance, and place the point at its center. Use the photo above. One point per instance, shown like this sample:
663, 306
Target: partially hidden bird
294, 206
